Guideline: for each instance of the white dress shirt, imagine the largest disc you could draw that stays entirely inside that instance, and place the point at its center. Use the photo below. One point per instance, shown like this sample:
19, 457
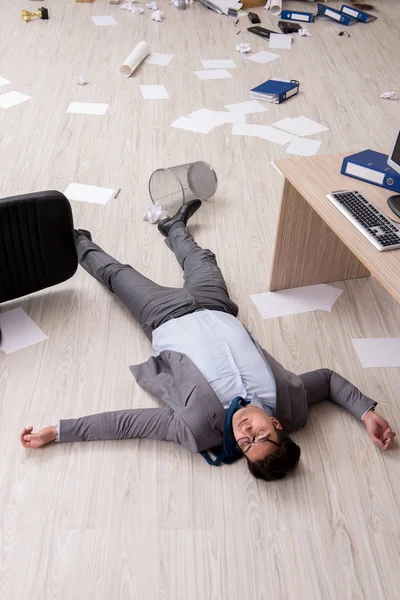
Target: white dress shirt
222, 350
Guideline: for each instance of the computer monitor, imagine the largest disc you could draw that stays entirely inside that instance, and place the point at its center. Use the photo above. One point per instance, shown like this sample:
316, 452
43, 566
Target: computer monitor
394, 157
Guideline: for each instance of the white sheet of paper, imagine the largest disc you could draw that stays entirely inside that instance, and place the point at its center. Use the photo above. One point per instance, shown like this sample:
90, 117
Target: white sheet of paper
19, 331
246, 108
217, 117
263, 57
280, 40
263, 131
301, 126
247, 129
87, 108
88, 193
303, 147
4, 81
296, 300
156, 58
196, 125
378, 352
12, 99
102, 21
154, 92
218, 64
214, 74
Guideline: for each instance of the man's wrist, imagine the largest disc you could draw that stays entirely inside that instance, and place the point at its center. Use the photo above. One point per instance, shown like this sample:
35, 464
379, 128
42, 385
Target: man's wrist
368, 413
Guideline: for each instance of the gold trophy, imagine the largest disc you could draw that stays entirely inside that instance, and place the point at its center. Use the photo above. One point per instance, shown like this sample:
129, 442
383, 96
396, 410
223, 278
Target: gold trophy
41, 13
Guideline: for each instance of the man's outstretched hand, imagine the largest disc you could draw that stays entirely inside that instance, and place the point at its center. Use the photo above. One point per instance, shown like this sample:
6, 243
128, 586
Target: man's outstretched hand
37, 440
378, 429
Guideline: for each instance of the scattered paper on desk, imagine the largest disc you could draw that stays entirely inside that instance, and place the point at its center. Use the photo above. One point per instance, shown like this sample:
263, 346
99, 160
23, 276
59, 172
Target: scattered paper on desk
218, 64
303, 147
214, 74
296, 300
12, 99
156, 58
88, 193
300, 126
378, 352
87, 108
4, 81
102, 21
18, 331
263, 131
193, 125
263, 57
246, 108
154, 92
280, 40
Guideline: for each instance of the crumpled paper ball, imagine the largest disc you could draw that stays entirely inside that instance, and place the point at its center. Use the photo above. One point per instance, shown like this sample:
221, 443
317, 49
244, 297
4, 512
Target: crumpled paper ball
389, 96
243, 48
155, 213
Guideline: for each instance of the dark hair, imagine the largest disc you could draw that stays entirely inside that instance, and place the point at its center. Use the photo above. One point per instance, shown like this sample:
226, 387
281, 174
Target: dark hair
277, 465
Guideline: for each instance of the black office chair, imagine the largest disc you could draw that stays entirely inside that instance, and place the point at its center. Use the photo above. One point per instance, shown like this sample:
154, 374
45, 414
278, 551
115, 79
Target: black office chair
37, 243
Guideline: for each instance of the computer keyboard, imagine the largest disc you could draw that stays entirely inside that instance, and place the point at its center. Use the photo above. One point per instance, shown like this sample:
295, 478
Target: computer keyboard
370, 221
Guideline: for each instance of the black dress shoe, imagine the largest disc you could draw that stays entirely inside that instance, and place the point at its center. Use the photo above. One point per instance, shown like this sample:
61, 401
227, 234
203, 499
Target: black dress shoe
184, 213
83, 232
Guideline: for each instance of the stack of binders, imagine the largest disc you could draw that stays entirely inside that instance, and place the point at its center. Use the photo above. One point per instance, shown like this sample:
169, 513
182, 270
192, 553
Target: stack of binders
275, 90
347, 15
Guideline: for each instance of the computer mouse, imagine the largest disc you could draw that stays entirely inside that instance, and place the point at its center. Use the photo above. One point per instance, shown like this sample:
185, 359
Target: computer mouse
394, 204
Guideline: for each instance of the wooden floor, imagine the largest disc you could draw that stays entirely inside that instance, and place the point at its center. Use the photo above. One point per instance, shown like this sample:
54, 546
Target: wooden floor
142, 520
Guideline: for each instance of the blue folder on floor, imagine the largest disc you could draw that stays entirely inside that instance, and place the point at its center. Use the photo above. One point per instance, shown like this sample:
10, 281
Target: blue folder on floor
335, 15
360, 15
275, 90
297, 15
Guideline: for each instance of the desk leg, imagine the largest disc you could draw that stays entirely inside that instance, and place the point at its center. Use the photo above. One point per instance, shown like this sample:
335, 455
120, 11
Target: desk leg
306, 250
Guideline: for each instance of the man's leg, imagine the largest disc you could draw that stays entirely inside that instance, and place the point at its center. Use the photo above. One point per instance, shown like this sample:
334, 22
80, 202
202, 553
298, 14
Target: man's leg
149, 303
203, 277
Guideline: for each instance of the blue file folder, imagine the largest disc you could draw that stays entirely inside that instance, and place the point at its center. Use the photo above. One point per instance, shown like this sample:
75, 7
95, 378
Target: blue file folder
360, 15
275, 90
372, 167
297, 15
336, 15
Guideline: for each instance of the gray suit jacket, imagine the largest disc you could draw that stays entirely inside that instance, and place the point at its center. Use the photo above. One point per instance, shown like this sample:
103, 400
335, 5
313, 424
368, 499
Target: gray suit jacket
194, 417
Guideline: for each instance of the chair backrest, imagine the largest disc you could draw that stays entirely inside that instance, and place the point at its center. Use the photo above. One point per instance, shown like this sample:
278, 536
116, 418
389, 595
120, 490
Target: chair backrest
37, 243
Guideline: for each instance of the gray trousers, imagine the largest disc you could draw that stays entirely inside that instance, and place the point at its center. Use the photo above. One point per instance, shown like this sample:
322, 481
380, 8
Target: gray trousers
152, 304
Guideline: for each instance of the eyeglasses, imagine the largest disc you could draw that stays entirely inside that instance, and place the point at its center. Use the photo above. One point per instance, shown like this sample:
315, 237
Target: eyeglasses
245, 443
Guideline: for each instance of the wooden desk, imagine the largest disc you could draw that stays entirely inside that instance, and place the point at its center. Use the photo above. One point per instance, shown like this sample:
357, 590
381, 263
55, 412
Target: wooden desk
314, 242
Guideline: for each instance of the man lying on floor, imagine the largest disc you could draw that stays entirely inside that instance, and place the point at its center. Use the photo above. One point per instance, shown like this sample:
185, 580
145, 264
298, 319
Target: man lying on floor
223, 391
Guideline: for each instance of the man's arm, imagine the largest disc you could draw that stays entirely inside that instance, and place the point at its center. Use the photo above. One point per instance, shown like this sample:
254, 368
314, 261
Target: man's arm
325, 384
153, 423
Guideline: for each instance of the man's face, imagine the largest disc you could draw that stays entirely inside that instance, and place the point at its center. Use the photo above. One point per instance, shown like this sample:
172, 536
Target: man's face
252, 421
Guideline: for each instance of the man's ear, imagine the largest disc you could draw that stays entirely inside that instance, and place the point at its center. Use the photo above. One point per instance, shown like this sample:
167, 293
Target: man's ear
276, 423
